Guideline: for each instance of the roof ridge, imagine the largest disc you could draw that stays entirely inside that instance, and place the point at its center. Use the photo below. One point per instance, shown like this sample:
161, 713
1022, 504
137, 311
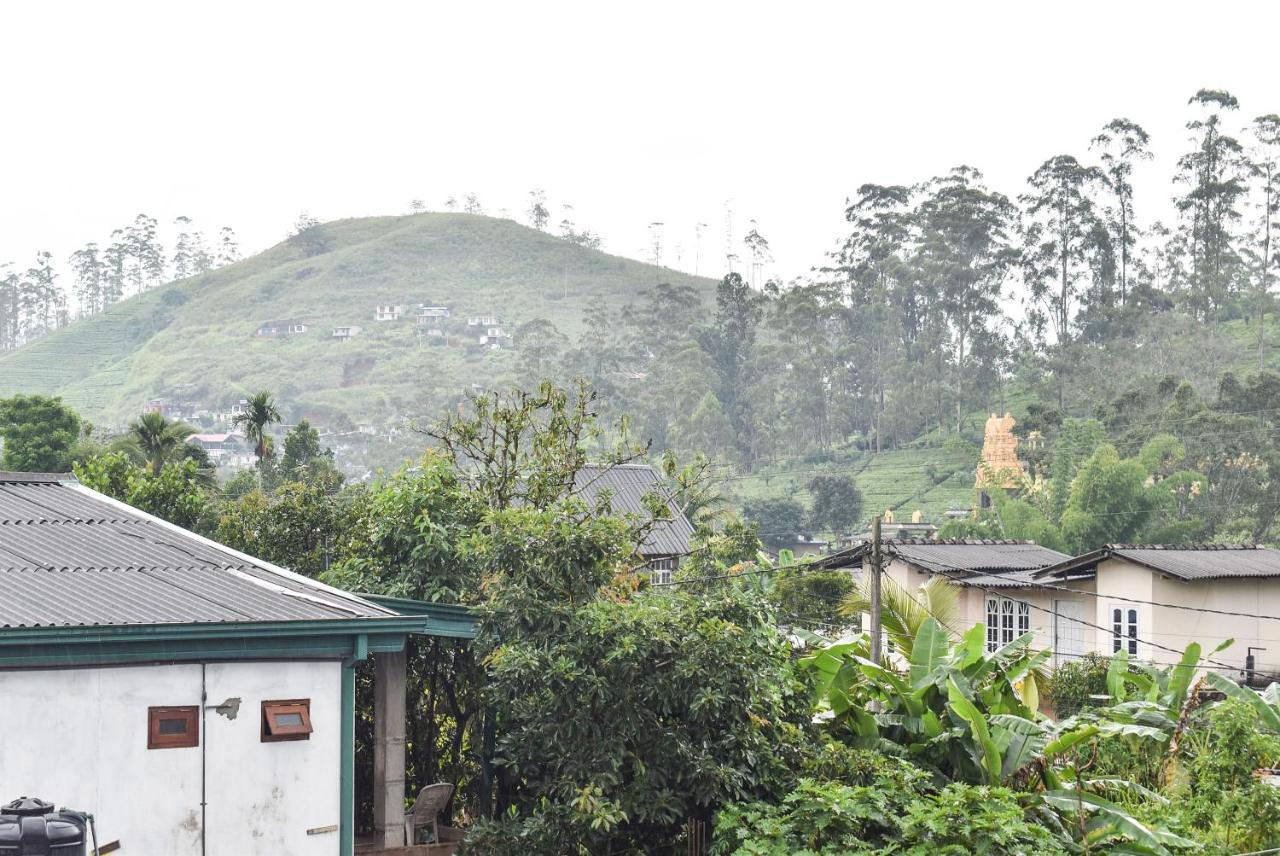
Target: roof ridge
1186, 547
962, 542
11, 477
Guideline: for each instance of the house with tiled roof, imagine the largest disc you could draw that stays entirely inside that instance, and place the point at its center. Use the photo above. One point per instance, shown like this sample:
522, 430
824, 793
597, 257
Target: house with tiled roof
196, 700
1153, 600
994, 576
624, 490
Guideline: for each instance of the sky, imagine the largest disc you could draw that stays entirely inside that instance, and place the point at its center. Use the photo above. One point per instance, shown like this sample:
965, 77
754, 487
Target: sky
246, 114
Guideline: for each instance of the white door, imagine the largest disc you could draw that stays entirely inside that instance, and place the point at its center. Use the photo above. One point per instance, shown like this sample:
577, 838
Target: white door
1068, 630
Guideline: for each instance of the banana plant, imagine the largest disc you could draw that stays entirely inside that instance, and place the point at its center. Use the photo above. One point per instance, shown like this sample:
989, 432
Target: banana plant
972, 715
1265, 704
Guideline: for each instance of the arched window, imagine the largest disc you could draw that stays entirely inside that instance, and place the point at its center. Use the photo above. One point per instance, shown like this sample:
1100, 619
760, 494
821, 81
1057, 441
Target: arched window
1124, 630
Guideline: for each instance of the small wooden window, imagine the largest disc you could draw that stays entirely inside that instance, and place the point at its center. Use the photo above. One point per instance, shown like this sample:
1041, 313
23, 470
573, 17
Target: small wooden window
173, 727
286, 720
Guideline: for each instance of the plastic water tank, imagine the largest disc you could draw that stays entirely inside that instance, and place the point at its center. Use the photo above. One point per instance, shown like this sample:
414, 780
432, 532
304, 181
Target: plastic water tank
31, 827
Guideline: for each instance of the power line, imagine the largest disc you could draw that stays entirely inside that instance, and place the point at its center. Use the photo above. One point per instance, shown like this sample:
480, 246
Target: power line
1057, 614
965, 582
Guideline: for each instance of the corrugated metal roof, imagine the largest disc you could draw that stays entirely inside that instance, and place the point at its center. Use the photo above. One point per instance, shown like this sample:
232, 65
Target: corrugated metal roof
1198, 561
955, 557
626, 485
72, 557
975, 556
1008, 579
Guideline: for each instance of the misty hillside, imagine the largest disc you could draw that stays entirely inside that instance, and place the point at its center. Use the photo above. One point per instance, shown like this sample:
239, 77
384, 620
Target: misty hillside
194, 342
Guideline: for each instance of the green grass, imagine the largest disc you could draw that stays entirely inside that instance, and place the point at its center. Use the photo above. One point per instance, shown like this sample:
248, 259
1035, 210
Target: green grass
194, 340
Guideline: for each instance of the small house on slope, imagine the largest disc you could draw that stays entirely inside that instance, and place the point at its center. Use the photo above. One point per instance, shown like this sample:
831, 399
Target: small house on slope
196, 700
995, 578
622, 489
1152, 601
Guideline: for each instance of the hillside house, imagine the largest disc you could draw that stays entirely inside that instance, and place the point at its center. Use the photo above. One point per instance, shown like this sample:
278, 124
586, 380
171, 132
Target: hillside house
344, 334
224, 450
196, 700
622, 490
389, 312
996, 581
432, 314
432, 333
280, 328
800, 544
495, 337
483, 321
1152, 601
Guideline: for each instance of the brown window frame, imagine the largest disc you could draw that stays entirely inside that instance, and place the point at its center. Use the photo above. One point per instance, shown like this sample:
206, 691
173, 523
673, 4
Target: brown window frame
271, 708
189, 713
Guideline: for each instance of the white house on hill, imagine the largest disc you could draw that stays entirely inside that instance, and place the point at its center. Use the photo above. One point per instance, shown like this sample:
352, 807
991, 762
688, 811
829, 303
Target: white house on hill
195, 700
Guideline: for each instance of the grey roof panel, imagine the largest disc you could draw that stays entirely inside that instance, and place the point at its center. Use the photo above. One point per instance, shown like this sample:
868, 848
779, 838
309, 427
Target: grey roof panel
1205, 562
71, 557
954, 557
975, 556
626, 485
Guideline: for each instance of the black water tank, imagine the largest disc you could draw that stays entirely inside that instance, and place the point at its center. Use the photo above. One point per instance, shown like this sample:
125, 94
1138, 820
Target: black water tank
31, 827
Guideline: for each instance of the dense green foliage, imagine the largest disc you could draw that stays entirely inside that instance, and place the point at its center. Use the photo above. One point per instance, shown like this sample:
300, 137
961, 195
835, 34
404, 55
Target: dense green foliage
176, 493
39, 434
897, 811
1077, 684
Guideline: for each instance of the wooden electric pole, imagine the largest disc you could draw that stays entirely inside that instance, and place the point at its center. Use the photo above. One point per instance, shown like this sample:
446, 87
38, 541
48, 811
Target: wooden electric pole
877, 567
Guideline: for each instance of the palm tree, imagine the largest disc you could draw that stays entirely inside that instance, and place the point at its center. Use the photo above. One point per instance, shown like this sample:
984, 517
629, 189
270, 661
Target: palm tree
260, 412
158, 440
903, 611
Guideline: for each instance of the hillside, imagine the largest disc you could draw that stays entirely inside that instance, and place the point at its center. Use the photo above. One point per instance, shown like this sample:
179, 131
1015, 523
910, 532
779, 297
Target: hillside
193, 342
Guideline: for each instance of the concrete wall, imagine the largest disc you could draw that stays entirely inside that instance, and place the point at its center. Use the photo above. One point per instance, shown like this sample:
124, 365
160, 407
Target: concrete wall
1176, 628
78, 737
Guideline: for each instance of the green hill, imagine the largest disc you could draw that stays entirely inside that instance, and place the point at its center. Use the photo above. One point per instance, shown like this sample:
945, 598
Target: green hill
194, 340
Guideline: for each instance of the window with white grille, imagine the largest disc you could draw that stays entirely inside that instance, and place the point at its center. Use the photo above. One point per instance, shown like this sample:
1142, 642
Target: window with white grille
1007, 619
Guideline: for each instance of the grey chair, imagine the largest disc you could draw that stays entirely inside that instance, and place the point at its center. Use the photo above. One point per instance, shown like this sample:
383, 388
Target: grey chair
425, 811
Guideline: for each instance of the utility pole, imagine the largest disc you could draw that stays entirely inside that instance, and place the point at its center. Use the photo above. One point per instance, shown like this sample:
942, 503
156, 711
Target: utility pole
877, 567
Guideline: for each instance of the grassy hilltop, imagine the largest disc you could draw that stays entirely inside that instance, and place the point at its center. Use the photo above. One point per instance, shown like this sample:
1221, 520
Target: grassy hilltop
193, 340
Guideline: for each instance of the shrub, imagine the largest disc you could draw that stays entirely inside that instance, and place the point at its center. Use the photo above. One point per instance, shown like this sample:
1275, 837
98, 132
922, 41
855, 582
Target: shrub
968, 819
894, 811
1075, 681
1221, 800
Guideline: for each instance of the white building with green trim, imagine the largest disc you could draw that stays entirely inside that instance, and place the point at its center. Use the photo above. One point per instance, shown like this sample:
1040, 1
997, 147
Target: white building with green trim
197, 701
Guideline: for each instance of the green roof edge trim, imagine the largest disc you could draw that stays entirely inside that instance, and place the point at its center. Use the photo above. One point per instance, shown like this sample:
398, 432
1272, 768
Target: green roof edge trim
145, 643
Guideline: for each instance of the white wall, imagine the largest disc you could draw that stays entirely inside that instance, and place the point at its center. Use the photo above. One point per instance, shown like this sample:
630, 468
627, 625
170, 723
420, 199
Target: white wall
1176, 628
78, 737
263, 797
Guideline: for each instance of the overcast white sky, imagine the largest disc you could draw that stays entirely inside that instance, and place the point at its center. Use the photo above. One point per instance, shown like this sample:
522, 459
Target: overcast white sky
247, 113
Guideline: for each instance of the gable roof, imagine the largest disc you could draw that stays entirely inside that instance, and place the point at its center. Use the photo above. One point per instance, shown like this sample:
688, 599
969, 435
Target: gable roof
71, 557
1184, 561
626, 485
957, 556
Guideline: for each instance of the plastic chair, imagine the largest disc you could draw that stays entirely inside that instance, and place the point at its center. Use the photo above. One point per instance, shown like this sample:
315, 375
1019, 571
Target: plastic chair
426, 812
